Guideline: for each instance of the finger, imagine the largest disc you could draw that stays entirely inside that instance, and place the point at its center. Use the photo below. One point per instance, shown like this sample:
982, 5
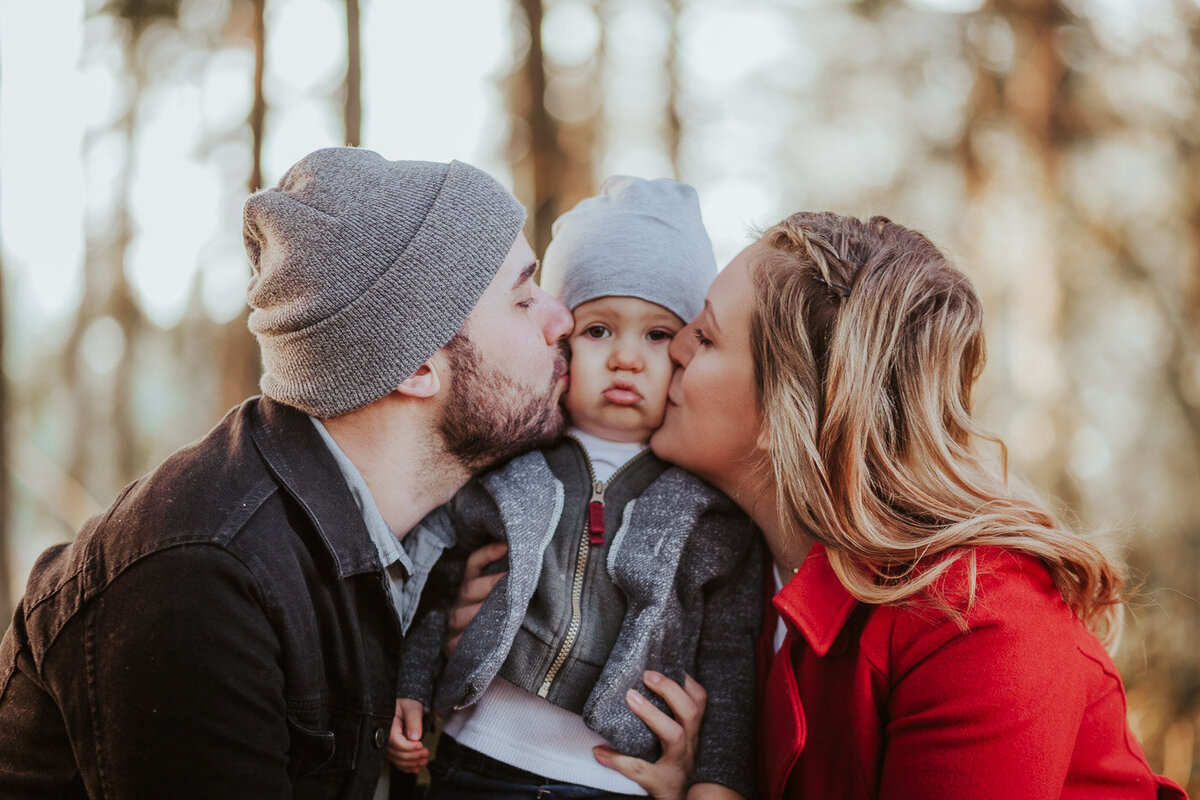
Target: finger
407, 749
672, 734
687, 706
481, 558
476, 589
658, 782
695, 691
407, 755
460, 617
396, 734
408, 762
456, 622
630, 767
413, 712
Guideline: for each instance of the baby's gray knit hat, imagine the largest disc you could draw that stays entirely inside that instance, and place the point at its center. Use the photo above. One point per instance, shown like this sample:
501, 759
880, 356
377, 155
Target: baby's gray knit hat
636, 238
364, 267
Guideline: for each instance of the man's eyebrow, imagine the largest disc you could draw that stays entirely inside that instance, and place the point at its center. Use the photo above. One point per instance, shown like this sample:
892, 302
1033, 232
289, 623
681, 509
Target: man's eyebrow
711, 316
525, 275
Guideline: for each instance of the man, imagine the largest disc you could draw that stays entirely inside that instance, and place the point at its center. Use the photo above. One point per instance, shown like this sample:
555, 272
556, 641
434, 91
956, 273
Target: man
230, 626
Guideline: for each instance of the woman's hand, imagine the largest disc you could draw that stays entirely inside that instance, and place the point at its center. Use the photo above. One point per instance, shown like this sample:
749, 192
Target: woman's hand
665, 779
473, 591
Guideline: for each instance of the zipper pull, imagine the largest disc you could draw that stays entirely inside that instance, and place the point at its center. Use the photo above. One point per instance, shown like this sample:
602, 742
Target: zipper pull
595, 527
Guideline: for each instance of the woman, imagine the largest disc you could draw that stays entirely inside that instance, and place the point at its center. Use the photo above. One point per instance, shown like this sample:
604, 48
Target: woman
940, 632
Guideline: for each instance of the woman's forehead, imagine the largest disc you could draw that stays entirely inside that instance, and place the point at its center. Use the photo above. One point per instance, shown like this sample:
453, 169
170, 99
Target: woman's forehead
733, 288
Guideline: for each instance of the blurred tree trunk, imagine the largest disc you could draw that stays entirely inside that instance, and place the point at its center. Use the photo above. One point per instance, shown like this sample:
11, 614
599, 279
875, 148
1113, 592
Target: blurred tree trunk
674, 126
552, 160
1039, 97
1189, 144
258, 111
1184, 372
1028, 99
6, 576
106, 452
237, 366
1172, 728
353, 85
537, 169
120, 303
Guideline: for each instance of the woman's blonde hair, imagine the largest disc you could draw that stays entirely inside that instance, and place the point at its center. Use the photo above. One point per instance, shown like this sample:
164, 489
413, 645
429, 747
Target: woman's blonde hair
867, 343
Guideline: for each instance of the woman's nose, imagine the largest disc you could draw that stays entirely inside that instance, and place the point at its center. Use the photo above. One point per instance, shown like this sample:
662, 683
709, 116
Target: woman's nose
681, 347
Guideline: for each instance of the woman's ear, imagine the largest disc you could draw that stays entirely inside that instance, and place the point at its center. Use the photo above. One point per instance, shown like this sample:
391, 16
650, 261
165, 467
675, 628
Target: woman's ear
763, 442
423, 383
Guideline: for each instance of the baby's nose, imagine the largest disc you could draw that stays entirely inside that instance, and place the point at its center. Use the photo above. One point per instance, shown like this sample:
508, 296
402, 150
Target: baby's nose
626, 357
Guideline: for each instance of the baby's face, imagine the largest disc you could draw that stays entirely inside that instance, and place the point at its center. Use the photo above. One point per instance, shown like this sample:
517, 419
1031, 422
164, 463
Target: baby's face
620, 370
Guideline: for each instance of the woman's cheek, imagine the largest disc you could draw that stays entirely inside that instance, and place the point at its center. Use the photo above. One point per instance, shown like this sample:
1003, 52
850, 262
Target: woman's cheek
665, 442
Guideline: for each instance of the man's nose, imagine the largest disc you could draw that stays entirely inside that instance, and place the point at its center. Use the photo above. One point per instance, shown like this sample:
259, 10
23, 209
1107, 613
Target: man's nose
557, 323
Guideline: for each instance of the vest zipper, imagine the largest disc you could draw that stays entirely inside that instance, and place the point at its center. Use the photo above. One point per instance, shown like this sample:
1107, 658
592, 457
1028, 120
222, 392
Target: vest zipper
593, 535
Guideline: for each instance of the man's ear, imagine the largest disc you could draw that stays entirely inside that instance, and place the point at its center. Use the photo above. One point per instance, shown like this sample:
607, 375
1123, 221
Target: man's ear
423, 383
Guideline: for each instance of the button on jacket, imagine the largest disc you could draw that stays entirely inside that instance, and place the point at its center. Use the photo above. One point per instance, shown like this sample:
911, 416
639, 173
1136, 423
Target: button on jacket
223, 630
870, 701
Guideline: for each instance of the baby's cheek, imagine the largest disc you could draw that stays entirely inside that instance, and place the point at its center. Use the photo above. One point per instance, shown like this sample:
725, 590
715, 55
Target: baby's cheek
655, 408
569, 401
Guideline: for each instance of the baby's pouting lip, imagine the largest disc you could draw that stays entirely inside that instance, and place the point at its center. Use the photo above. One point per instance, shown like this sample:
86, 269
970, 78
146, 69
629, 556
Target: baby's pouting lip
622, 393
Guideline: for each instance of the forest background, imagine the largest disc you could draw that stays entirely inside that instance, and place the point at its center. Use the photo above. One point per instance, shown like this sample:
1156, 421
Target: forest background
1051, 146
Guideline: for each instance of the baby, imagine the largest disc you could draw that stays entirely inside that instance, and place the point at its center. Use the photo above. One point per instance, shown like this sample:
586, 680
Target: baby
617, 562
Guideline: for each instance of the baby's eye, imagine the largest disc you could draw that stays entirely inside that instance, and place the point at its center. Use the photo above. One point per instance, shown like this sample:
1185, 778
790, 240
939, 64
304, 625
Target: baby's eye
660, 335
595, 331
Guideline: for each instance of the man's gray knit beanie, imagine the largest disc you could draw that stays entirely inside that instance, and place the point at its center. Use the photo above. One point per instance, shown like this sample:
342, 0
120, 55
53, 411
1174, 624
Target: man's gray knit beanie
364, 267
637, 238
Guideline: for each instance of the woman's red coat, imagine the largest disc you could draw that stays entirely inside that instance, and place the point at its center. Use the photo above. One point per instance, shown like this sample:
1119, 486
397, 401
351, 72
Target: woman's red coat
898, 702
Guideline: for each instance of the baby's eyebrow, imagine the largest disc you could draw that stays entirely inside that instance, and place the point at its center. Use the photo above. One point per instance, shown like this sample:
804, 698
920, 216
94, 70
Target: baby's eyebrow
525, 275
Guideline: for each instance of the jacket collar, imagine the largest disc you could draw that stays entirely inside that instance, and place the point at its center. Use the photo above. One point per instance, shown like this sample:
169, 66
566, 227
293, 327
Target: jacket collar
303, 465
814, 602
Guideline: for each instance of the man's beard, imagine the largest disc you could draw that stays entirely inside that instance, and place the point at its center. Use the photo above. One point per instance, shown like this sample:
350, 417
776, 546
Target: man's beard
490, 418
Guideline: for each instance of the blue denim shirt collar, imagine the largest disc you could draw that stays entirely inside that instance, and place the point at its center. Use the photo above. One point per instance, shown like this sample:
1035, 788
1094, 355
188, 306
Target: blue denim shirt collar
382, 536
406, 561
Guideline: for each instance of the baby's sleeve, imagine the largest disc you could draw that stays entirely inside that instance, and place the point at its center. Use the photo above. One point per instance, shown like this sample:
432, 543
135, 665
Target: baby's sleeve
422, 650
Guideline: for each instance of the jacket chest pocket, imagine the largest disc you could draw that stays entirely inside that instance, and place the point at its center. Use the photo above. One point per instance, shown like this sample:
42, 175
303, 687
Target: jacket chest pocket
323, 750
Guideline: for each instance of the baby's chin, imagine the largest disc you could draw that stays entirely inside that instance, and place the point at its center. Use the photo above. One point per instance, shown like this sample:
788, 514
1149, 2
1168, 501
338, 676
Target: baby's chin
614, 433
